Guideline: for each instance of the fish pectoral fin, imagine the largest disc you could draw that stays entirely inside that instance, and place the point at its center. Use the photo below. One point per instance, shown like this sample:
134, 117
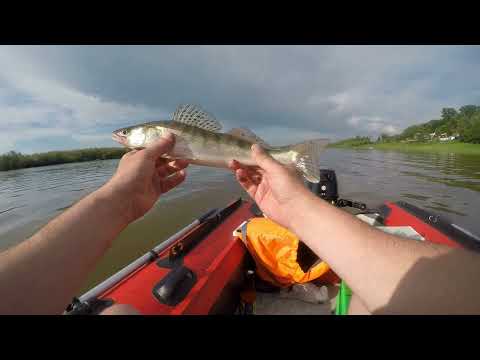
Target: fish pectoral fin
248, 135
194, 115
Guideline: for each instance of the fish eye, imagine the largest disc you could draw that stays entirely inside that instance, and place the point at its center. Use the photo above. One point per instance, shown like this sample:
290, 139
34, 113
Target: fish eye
124, 132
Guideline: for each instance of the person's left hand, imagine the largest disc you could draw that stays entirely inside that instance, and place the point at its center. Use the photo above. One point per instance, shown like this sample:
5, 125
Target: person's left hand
143, 175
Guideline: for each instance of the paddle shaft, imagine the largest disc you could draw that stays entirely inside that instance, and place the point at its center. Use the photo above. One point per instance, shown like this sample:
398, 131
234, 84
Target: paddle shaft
144, 259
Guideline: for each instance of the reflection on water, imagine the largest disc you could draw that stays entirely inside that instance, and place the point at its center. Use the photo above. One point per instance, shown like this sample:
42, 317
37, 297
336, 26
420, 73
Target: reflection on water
448, 184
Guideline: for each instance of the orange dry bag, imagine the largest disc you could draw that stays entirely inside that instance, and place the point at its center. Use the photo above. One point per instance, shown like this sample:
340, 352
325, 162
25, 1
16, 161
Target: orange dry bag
274, 249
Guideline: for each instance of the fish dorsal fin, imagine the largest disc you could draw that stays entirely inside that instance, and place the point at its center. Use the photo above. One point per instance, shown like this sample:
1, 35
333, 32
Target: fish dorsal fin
248, 135
194, 115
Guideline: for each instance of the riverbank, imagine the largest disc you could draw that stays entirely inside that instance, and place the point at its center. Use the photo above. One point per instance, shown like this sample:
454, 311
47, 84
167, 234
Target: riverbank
451, 147
14, 160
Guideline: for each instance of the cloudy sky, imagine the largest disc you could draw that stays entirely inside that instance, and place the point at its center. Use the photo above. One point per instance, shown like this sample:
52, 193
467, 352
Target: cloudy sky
64, 97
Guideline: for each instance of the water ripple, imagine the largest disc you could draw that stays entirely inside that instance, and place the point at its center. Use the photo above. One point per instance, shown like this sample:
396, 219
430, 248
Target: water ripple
446, 183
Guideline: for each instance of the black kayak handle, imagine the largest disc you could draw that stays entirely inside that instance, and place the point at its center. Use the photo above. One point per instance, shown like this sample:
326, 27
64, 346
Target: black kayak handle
175, 286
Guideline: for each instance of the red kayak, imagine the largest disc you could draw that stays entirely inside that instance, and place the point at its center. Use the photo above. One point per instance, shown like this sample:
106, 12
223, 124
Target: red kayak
202, 269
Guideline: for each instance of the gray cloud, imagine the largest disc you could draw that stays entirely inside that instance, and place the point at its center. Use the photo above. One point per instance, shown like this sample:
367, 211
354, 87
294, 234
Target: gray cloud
285, 93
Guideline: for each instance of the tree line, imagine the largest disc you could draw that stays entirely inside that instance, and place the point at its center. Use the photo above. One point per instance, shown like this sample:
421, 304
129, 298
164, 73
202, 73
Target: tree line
352, 142
15, 160
462, 124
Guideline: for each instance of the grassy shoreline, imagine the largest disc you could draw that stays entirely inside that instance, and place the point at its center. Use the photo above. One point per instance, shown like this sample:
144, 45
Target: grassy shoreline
451, 147
15, 161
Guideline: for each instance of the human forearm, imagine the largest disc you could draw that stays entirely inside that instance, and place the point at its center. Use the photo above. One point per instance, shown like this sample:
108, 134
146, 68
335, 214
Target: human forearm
389, 274
386, 272
354, 250
42, 274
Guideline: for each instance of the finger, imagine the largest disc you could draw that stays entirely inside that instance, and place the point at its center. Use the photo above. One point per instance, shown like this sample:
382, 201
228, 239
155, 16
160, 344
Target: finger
179, 164
161, 161
170, 182
170, 168
161, 146
256, 179
263, 159
129, 153
245, 182
235, 165
243, 177
254, 175
255, 172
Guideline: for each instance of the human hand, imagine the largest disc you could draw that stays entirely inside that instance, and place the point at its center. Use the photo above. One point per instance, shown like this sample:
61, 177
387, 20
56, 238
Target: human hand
275, 188
143, 175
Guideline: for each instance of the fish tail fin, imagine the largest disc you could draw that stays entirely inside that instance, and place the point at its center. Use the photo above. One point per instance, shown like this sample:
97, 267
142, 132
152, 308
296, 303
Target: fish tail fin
307, 158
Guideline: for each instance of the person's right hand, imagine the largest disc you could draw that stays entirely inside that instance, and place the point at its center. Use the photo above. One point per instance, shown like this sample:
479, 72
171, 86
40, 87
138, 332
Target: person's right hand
143, 175
274, 187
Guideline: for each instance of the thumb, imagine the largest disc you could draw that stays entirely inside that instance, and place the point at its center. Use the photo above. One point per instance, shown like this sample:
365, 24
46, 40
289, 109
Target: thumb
160, 147
264, 160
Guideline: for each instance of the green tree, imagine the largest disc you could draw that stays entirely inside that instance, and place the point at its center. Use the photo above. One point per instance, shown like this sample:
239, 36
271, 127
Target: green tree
14, 160
472, 134
448, 113
444, 129
469, 110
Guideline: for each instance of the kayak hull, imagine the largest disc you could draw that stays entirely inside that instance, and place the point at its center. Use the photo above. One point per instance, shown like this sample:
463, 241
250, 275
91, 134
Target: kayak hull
216, 261
432, 227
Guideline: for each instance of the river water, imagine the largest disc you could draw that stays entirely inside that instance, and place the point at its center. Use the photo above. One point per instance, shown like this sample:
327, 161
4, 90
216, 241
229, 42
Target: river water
448, 184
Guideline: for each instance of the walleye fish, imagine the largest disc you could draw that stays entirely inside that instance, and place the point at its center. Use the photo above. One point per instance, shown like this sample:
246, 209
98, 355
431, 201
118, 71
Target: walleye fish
200, 142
